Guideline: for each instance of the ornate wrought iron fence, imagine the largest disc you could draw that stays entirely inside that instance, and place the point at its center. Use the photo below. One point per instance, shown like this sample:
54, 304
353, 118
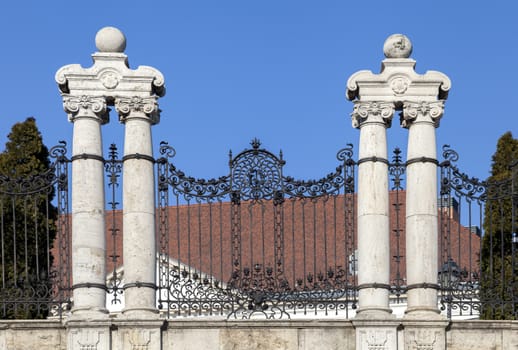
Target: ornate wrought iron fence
256, 242
35, 249
478, 270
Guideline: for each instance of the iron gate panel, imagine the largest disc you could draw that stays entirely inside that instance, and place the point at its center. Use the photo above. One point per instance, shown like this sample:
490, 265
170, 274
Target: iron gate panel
256, 242
478, 266
35, 242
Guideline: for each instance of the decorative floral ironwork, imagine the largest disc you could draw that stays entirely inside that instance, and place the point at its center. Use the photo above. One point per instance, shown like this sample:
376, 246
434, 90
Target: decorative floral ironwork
260, 283
113, 169
397, 169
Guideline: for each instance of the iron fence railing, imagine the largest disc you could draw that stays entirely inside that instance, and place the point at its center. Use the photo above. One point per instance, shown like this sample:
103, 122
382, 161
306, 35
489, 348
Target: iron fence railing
256, 241
35, 248
478, 266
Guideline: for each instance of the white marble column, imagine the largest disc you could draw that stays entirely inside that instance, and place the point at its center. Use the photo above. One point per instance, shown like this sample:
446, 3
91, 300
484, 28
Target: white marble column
421, 119
138, 114
88, 221
373, 207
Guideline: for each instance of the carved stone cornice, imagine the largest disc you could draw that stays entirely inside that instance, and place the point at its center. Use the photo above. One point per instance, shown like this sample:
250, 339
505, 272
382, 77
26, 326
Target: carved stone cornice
398, 82
86, 107
110, 76
138, 107
370, 111
426, 111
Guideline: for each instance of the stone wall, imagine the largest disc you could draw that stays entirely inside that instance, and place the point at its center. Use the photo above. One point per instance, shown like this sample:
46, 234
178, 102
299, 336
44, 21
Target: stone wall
248, 335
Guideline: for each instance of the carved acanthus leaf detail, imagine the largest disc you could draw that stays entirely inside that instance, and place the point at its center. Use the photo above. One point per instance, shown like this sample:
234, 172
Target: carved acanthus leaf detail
364, 110
147, 106
432, 110
86, 106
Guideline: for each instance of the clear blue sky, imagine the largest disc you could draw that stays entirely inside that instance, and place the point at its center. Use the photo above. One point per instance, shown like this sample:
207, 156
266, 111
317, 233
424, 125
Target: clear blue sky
275, 70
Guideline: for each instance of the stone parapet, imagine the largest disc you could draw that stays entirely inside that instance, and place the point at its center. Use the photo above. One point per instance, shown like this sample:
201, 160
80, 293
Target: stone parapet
259, 334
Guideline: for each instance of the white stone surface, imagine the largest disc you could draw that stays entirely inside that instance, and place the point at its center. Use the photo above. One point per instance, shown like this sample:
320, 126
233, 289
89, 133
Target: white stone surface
373, 206
294, 335
110, 39
139, 249
88, 219
421, 99
397, 46
86, 93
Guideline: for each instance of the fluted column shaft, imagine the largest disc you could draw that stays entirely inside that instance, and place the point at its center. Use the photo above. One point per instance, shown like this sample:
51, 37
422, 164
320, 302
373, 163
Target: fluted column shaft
88, 219
373, 207
421, 119
139, 249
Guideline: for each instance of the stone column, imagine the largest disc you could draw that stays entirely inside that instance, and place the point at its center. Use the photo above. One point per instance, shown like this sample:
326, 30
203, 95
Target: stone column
88, 222
138, 114
373, 208
421, 119
420, 97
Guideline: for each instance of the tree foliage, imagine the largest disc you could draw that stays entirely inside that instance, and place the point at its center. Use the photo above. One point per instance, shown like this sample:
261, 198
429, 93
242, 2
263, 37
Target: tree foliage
27, 223
499, 280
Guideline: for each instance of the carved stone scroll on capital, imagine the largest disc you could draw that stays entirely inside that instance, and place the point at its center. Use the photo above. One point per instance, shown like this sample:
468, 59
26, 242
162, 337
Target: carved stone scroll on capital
364, 111
430, 111
137, 107
86, 106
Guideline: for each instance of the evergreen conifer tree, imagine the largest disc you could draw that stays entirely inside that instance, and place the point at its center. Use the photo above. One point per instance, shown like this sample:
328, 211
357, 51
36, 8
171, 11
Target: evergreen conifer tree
27, 223
499, 280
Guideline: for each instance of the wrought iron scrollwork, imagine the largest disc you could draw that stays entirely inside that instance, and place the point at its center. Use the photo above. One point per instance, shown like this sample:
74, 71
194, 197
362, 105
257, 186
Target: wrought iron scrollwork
113, 170
36, 283
397, 169
249, 211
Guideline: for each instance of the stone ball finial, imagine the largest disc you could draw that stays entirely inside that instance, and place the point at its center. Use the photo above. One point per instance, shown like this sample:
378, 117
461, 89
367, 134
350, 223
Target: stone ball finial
110, 39
397, 46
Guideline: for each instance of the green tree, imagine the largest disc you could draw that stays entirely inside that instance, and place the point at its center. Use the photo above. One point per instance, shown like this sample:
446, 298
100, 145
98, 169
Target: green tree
499, 280
27, 223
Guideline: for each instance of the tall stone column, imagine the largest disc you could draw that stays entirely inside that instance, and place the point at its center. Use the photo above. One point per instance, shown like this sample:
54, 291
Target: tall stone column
138, 114
421, 119
86, 93
372, 118
88, 222
420, 98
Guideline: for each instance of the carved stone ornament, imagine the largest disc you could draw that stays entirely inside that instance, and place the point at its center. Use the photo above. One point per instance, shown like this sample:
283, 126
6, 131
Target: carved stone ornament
86, 106
399, 85
126, 107
139, 340
411, 111
88, 340
376, 340
110, 79
364, 110
397, 46
425, 339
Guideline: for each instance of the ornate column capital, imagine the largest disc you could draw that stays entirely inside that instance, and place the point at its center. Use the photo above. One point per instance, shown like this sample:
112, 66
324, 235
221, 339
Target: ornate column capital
424, 111
138, 107
372, 111
86, 107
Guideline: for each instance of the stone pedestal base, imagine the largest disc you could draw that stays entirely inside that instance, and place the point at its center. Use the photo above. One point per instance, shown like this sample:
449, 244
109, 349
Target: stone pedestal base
138, 335
378, 335
88, 334
425, 335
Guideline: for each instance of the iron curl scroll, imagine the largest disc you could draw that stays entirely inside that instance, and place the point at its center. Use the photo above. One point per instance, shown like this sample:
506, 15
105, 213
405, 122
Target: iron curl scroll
453, 179
248, 210
188, 186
